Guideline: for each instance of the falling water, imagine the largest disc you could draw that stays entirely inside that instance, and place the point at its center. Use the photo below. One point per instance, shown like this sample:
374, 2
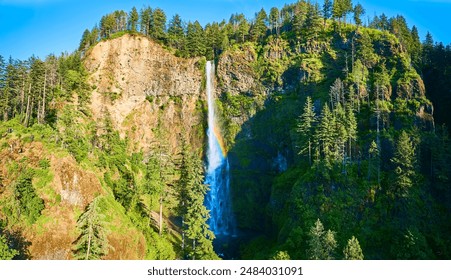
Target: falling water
217, 178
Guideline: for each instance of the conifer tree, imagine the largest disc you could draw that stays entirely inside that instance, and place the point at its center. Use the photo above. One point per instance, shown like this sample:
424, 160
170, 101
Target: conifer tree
195, 44
404, 162
157, 29
192, 190
352, 251
351, 128
6, 253
327, 10
359, 11
305, 128
258, 30
312, 23
176, 32
325, 135
92, 244
322, 243
144, 23
30, 203
274, 20
133, 20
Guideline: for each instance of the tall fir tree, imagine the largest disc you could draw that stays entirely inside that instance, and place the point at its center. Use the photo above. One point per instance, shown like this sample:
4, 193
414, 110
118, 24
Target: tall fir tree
133, 18
322, 243
404, 162
352, 250
305, 128
92, 243
192, 190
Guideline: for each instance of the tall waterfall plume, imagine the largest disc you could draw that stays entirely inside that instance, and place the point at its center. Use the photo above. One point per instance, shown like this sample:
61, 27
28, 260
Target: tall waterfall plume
217, 178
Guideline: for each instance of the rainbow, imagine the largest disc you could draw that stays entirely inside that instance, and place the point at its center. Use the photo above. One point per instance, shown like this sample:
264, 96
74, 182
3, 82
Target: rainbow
218, 137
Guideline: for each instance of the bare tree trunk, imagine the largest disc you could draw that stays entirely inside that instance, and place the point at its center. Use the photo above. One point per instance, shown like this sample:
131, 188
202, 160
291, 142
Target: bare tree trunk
89, 244
22, 97
43, 99
160, 220
39, 112
194, 248
27, 112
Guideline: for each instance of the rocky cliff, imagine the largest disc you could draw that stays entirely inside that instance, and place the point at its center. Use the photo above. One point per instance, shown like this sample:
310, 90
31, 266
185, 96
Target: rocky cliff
146, 91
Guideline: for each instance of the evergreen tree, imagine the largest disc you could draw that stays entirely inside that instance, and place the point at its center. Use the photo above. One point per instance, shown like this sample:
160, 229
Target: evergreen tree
404, 162
120, 18
327, 10
352, 251
274, 20
176, 33
325, 135
351, 128
159, 169
281, 255
359, 11
240, 27
299, 17
322, 243
85, 41
133, 20
341, 8
415, 48
336, 93
305, 128
92, 244
312, 23
195, 39
107, 25
258, 30
157, 28
31, 205
192, 191
6, 253
144, 23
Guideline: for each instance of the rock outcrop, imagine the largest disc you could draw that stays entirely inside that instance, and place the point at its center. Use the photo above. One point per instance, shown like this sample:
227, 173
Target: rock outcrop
146, 91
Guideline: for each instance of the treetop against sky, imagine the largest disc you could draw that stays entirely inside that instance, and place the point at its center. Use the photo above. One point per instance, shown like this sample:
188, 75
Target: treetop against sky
41, 27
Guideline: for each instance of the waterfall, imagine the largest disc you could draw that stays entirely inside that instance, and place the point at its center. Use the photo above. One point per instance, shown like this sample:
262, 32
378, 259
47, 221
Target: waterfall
217, 200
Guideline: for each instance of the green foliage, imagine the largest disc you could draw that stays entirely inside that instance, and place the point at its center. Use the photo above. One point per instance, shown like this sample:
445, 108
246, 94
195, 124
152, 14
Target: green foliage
73, 132
404, 162
352, 251
92, 243
305, 128
30, 203
322, 243
192, 191
281, 255
6, 253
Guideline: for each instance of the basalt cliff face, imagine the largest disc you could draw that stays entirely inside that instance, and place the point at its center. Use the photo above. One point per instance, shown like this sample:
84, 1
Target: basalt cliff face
148, 93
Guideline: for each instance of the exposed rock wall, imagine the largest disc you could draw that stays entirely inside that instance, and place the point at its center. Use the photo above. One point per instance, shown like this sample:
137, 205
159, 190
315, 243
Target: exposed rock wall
145, 87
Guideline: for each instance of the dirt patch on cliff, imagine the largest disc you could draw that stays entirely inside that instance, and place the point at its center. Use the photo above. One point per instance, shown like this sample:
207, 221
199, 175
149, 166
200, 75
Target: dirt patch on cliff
76, 187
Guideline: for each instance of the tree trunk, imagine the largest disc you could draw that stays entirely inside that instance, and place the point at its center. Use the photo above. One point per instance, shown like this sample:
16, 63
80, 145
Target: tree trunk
194, 248
27, 112
310, 152
43, 99
89, 243
22, 97
160, 220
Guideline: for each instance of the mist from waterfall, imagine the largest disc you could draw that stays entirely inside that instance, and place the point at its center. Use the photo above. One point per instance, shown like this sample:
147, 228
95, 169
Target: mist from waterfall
217, 200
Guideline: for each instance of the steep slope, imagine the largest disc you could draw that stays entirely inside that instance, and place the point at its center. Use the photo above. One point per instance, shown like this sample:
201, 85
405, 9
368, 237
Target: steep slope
146, 91
140, 91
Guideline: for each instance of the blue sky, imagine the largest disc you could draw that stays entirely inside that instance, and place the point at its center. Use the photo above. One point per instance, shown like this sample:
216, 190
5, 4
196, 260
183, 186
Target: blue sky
41, 27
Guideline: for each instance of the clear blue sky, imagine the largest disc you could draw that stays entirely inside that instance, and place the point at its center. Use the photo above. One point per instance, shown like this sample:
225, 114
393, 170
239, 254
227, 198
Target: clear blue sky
41, 27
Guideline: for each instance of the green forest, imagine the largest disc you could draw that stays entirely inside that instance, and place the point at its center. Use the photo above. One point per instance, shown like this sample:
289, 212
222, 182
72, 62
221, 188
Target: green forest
336, 132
